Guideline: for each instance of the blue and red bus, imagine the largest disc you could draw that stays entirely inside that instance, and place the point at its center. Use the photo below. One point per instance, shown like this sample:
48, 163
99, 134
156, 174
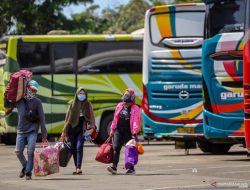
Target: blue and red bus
222, 74
172, 99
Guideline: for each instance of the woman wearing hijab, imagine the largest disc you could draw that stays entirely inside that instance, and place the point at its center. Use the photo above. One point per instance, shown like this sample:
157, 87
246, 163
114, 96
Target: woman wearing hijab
126, 124
79, 116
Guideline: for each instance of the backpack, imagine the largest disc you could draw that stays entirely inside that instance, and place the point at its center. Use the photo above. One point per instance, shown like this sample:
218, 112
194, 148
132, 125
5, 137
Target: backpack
16, 86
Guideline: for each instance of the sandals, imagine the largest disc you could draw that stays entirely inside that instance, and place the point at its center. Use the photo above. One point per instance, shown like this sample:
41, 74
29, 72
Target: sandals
77, 172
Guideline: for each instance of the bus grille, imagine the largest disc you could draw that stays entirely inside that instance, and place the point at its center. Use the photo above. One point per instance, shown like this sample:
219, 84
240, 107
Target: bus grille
176, 64
175, 94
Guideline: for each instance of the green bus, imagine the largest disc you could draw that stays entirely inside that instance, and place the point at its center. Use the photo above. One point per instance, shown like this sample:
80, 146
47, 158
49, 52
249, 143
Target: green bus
105, 65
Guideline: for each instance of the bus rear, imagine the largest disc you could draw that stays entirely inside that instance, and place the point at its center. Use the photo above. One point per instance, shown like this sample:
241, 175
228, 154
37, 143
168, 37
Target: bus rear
172, 102
222, 68
246, 79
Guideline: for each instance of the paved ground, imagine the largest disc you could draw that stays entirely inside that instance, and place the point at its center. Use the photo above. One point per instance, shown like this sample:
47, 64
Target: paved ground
161, 167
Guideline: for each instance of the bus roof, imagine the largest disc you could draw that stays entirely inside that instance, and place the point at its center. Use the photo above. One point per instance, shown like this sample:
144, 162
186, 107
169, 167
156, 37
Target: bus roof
178, 7
59, 38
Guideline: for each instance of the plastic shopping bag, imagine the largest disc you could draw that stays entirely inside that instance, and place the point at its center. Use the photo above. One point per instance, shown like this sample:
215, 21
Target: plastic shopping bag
140, 148
131, 154
46, 161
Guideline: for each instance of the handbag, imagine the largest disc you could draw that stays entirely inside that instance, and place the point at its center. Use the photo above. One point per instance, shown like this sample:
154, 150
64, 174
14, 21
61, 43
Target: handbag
105, 152
65, 154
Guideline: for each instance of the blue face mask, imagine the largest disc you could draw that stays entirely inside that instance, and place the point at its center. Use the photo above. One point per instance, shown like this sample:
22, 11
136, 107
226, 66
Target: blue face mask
81, 97
127, 98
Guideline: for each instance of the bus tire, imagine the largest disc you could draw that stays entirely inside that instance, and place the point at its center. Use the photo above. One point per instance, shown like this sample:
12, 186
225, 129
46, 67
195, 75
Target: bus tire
9, 139
214, 148
105, 127
204, 146
220, 148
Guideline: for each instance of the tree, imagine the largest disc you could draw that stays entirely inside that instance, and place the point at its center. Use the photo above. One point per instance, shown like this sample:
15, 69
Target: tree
87, 22
126, 18
41, 16
34, 16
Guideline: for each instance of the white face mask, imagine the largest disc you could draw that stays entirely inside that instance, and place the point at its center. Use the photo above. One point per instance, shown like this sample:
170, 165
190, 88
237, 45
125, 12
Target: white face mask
29, 94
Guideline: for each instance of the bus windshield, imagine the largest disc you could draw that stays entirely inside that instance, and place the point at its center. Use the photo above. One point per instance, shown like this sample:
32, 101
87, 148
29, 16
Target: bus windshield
191, 21
232, 20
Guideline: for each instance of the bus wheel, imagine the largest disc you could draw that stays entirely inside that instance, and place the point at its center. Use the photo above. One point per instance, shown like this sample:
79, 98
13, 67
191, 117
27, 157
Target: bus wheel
205, 146
105, 127
214, 148
9, 139
220, 148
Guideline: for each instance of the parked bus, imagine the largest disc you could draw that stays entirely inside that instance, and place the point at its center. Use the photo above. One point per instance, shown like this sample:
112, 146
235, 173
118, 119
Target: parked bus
172, 98
246, 78
2, 63
222, 71
105, 65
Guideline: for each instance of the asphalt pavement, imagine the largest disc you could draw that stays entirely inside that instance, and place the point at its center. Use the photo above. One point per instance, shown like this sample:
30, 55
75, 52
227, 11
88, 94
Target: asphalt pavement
160, 167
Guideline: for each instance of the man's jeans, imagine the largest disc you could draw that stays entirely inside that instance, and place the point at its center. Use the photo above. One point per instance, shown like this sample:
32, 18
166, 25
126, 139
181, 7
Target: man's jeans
28, 139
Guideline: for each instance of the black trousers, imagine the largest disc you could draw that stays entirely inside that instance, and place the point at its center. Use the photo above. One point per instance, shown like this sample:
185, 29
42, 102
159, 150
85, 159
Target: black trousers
121, 136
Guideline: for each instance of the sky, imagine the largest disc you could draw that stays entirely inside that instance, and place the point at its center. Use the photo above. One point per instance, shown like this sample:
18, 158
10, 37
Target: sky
102, 3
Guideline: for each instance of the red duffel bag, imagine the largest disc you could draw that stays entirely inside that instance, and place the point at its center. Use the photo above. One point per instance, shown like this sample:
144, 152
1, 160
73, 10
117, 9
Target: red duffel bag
105, 152
17, 84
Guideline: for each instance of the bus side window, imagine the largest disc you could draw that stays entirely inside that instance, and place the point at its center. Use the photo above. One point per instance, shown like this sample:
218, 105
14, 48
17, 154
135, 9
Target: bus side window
109, 57
34, 57
64, 58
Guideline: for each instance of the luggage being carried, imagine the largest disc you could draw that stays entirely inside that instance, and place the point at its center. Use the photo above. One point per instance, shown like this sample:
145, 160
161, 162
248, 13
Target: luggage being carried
65, 153
131, 154
46, 161
16, 87
105, 152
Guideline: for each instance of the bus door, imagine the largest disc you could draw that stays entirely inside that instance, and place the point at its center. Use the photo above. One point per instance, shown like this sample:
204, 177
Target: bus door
63, 85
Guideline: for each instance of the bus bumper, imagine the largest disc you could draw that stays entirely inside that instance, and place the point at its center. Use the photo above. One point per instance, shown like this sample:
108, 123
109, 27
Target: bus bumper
154, 129
221, 127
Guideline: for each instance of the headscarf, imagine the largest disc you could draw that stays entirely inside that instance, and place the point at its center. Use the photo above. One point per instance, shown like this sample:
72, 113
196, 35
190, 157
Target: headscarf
77, 106
131, 93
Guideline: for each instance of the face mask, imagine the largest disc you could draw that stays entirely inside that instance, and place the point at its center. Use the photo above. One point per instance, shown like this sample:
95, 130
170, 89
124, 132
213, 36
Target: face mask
127, 98
29, 94
81, 97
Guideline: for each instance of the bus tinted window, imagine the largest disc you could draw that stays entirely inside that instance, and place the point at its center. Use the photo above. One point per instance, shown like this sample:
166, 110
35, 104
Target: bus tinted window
34, 56
110, 57
64, 58
232, 20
